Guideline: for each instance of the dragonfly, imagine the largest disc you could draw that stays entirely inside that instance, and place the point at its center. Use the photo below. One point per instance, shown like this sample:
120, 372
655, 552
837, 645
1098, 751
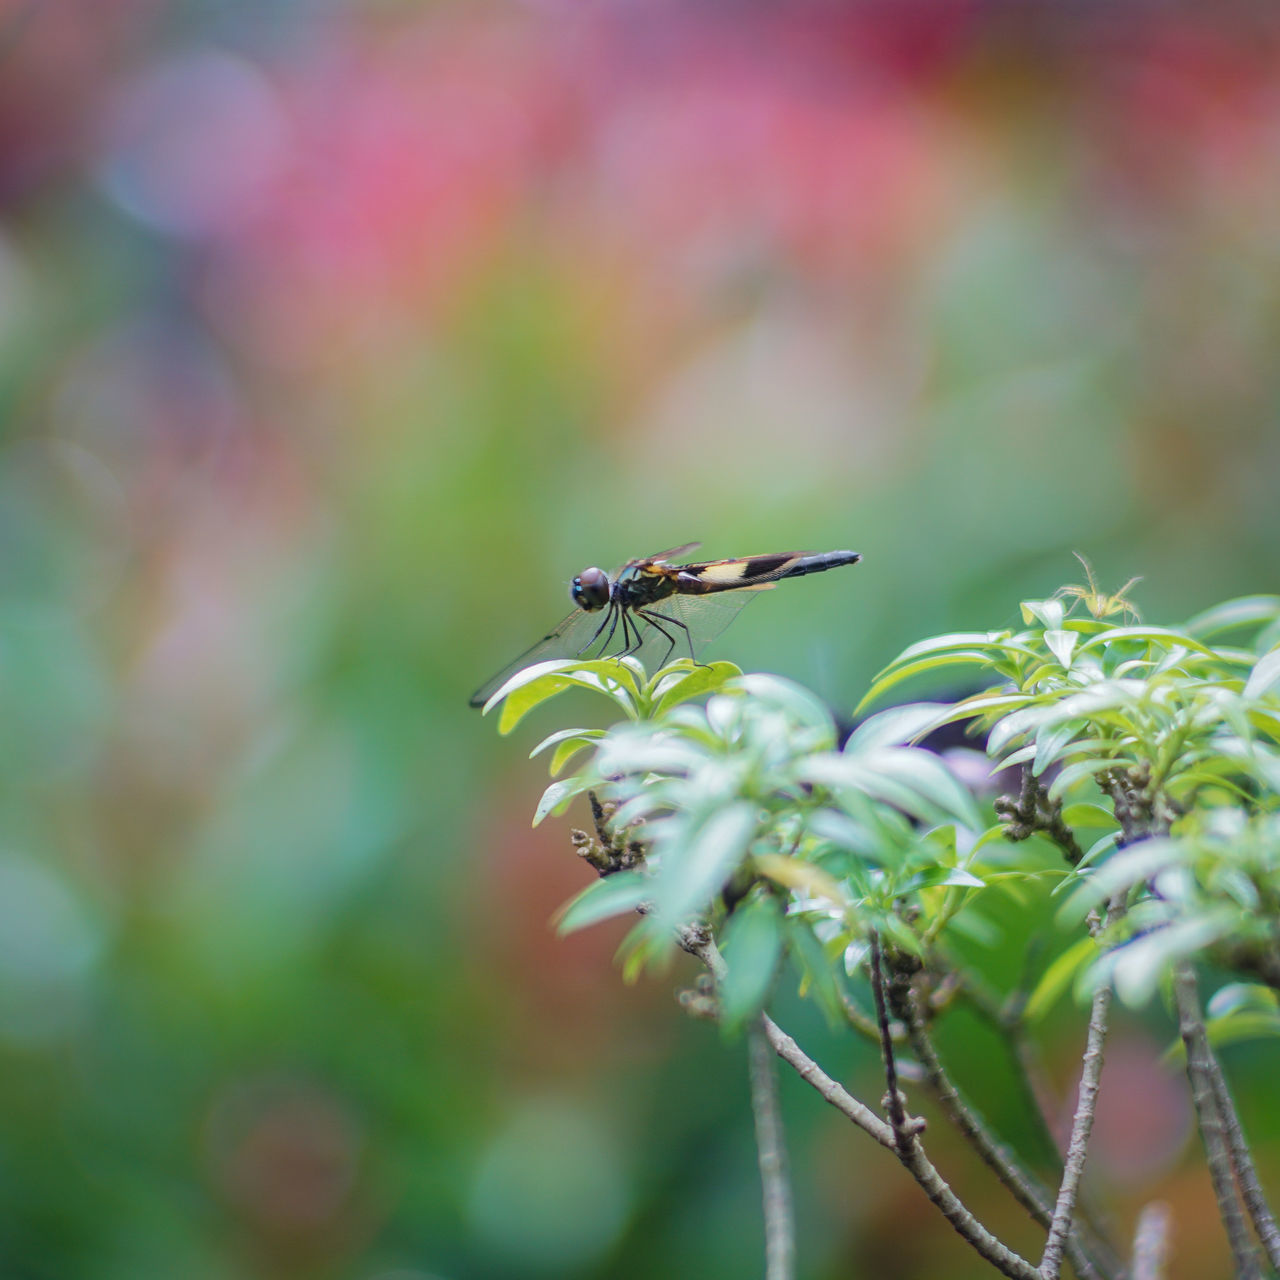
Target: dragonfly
651, 605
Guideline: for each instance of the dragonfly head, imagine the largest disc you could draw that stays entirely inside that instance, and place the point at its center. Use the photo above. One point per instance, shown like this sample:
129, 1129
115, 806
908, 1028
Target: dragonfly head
590, 590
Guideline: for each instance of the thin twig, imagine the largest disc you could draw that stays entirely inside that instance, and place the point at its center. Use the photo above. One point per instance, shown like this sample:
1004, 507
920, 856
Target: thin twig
831, 1090
697, 940
1151, 1242
998, 1254
1081, 1124
1212, 1128
1025, 1189
779, 1218
1255, 1199
1034, 811
902, 1130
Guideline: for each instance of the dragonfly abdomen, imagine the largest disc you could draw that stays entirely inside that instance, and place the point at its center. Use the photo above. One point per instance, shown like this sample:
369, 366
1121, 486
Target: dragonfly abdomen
816, 564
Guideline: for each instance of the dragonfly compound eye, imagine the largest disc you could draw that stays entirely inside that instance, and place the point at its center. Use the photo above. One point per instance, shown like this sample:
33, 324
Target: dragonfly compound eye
590, 590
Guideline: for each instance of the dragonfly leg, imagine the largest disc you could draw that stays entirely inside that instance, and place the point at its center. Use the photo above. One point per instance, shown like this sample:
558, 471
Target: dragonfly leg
630, 628
675, 622
610, 621
652, 620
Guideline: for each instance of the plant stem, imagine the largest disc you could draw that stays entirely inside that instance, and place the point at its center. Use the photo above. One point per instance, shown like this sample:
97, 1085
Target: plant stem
1029, 1193
1212, 1128
1264, 1222
831, 1090
697, 940
779, 1218
1082, 1123
1151, 1242
1033, 811
902, 1133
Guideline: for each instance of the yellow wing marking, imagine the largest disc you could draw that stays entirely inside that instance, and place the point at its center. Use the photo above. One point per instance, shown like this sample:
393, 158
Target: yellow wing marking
723, 571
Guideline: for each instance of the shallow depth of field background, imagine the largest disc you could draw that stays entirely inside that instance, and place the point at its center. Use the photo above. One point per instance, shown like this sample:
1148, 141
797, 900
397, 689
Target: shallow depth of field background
334, 339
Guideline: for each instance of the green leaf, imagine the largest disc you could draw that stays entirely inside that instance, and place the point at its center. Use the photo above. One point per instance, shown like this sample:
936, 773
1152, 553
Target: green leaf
1085, 814
690, 875
1062, 645
1059, 976
614, 677
1077, 772
1095, 851
1048, 613
844, 832
817, 973
929, 777
1265, 766
752, 946
897, 725
977, 927
895, 675
638, 751
567, 743
898, 931
952, 640
519, 700
909, 778
1245, 611
1157, 635
564, 735
1265, 677
1137, 967
1254, 1025
937, 877
1131, 865
1051, 741
798, 703
1012, 726
603, 899
564, 753
703, 679
1237, 997
556, 798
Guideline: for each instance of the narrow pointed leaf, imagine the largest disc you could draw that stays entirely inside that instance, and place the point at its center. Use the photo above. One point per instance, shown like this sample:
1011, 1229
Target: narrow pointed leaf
557, 796
703, 679
1059, 976
696, 871
1265, 677
603, 899
1246, 611
752, 946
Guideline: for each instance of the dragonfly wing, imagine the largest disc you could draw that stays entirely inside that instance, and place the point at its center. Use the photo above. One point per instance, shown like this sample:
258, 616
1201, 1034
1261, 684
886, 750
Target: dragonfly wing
661, 557
692, 621
566, 641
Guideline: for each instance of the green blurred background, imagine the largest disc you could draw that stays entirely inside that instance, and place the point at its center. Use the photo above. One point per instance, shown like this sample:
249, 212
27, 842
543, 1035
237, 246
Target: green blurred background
334, 339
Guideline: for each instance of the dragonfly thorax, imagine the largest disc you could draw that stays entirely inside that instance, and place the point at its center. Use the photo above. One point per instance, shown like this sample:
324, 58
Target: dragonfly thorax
591, 590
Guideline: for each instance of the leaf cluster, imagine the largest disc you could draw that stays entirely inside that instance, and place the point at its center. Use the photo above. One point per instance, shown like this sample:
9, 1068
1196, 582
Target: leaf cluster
1167, 743
751, 818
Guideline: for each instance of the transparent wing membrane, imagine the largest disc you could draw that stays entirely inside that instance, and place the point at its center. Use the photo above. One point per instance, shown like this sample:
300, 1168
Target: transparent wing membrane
566, 641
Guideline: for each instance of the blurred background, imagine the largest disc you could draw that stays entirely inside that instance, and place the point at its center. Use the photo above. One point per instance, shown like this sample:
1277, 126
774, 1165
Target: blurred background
335, 337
